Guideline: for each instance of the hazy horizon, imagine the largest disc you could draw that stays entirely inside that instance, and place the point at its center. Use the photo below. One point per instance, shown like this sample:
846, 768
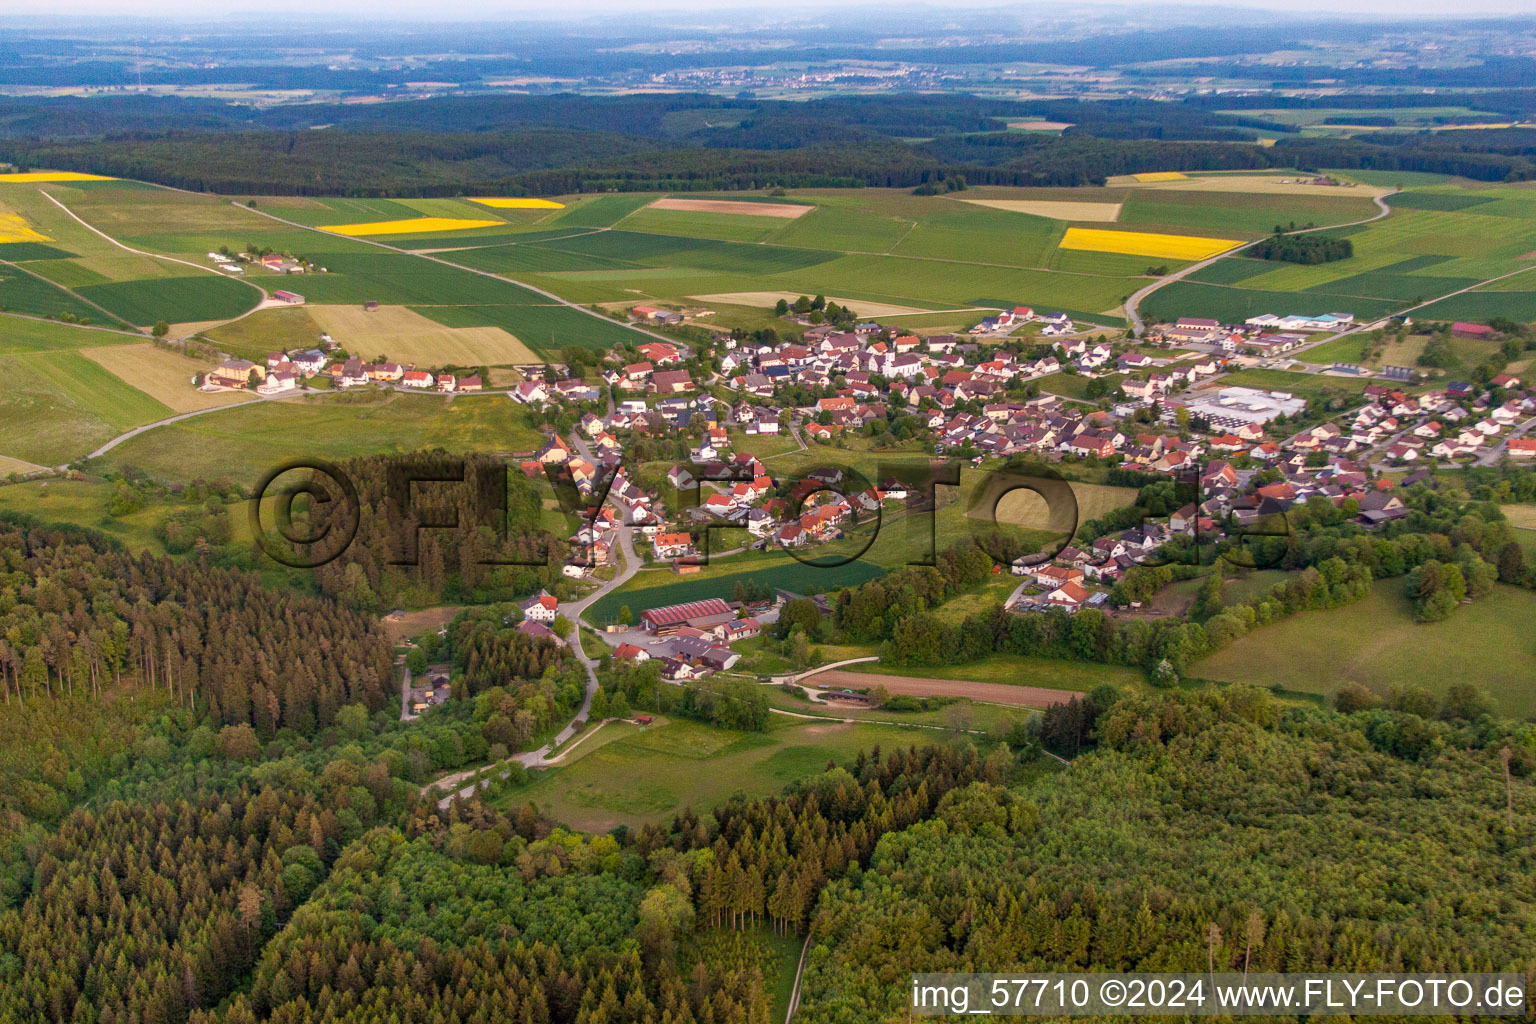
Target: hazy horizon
400, 12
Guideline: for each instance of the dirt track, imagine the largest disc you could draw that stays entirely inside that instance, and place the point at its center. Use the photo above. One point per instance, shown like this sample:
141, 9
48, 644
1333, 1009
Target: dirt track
995, 693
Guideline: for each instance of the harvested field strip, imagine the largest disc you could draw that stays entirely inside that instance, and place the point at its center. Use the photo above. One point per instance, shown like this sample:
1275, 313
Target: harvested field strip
162, 375
787, 211
1052, 209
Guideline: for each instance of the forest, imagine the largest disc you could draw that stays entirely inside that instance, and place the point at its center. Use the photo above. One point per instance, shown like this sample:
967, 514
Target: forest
78, 615
550, 145
1308, 248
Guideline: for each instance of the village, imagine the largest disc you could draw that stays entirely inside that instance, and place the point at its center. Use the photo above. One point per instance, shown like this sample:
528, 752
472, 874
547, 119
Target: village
1161, 409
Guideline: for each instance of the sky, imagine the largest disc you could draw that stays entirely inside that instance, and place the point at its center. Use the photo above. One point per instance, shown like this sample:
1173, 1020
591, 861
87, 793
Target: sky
511, 10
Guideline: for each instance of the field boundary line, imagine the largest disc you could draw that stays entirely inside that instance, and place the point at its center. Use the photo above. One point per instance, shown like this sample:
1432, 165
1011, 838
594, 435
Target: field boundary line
71, 292
1132, 304
135, 334
459, 266
157, 256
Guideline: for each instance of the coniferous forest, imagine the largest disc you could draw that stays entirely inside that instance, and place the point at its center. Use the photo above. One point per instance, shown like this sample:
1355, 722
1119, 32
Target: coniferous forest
211, 812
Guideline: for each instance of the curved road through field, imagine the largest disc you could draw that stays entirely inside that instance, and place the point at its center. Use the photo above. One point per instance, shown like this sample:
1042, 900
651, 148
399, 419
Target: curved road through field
1133, 317
554, 299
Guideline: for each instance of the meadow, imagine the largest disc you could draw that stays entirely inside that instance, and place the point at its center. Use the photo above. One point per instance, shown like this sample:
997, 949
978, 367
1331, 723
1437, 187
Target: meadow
163, 375
1311, 386
1490, 643
242, 443
56, 406
1016, 670
638, 775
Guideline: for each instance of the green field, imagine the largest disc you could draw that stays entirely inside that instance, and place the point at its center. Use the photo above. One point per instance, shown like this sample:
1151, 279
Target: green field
637, 775
779, 570
1490, 644
1304, 385
1438, 240
243, 441
56, 406
174, 299
1018, 671
1236, 304
24, 292
24, 334
84, 503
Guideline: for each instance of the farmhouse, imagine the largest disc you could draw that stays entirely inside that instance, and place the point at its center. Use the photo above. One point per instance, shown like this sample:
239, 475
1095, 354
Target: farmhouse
541, 607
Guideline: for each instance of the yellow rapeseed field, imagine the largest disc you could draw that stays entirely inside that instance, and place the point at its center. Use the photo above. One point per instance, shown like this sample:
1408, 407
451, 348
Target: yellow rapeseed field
25, 177
1137, 243
516, 203
1160, 176
410, 226
14, 229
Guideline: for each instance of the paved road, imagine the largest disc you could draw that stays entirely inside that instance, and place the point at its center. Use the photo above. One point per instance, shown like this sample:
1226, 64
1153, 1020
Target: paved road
1493, 454
1132, 313
573, 611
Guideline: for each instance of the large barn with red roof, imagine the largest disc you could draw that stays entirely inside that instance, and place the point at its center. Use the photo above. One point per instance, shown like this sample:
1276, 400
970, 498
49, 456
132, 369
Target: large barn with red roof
670, 618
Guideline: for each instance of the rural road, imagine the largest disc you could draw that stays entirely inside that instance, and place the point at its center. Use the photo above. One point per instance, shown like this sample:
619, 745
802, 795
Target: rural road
573, 611
554, 299
155, 255
1131, 305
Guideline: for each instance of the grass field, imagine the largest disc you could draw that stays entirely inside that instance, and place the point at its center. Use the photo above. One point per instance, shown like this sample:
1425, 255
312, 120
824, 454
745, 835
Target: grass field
406, 336
637, 775
1303, 385
57, 406
84, 503
24, 292
241, 443
1440, 238
162, 375
660, 587
268, 330
1236, 304
24, 334
1491, 644
1018, 671
174, 299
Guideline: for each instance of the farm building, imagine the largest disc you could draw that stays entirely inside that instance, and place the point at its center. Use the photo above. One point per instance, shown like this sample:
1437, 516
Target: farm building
668, 619
292, 298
